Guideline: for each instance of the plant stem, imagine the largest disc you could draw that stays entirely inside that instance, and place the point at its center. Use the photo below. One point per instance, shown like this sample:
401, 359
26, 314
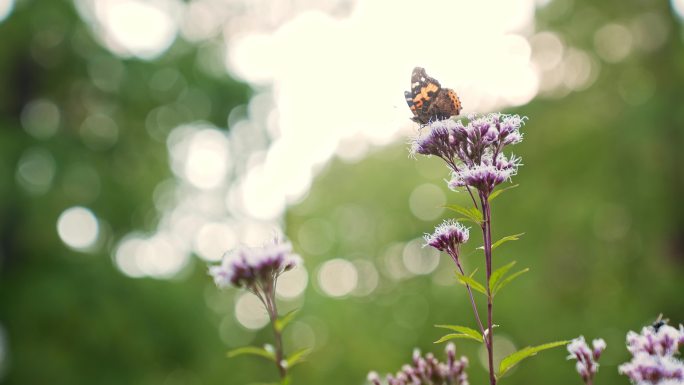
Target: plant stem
472, 197
278, 337
487, 235
269, 301
472, 297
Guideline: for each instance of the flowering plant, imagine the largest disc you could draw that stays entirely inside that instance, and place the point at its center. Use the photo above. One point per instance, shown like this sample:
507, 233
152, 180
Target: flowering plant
474, 154
257, 269
653, 355
587, 359
473, 150
429, 371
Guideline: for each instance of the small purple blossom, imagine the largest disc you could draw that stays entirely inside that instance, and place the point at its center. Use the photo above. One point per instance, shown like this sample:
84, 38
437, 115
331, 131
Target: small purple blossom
487, 175
587, 359
646, 369
257, 269
509, 129
448, 236
428, 370
653, 351
253, 266
663, 342
439, 141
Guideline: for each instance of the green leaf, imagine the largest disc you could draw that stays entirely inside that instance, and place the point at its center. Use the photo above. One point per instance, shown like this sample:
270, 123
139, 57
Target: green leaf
472, 333
452, 336
514, 237
498, 192
498, 274
509, 279
472, 213
470, 281
283, 321
464, 219
297, 357
252, 350
513, 359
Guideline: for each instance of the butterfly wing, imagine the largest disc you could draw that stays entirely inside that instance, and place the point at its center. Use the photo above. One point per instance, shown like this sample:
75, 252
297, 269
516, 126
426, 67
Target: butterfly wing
424, 89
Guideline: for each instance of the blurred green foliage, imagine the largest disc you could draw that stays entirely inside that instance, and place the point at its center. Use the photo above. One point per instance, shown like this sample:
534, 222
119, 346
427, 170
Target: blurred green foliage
595, 161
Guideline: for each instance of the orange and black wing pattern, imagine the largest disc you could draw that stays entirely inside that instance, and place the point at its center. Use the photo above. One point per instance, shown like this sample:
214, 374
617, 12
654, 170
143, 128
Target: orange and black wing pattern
428, 100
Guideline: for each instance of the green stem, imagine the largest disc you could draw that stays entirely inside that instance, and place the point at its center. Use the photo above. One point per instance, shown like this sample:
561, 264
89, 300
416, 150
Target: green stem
278, 336
470, 292
266, 294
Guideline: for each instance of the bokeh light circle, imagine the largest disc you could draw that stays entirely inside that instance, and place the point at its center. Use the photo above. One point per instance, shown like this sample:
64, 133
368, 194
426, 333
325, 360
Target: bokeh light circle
337, 277
137, 28
159, 256
418, 259
36, 170
6, 7
213, 239
250, 312
200, 155
78, 228
292, 283
426, 202
40, 118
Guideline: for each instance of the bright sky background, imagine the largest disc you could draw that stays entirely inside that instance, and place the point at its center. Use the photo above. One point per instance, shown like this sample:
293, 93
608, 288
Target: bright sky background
330, 77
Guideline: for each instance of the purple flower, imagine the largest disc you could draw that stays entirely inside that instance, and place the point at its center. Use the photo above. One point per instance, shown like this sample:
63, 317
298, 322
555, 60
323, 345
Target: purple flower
473, 151
663, 342
653, 361
587, 358
509, 129
374, 378
428, 370
252, 266
439, 141
448, 236
652, 369
486, 175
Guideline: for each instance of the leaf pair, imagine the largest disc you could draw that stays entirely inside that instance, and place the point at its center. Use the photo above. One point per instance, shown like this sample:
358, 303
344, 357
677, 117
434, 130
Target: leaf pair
469, 214
295, 358
461, 332
285, 320
497, 281
470, 281
526, 352
498, 192
267, 351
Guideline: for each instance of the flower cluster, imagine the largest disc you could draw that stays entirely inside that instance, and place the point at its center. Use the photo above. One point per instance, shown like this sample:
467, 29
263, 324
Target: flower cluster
587, 359
653, 361
255, 267
474, 151
447, 237
487, 175
429, 371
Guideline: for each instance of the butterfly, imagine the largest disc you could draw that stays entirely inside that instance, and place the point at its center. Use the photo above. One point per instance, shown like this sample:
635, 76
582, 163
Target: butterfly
428, 100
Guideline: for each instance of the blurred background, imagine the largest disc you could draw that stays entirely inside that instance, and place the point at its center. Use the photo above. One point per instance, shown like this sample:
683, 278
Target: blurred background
140, 139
